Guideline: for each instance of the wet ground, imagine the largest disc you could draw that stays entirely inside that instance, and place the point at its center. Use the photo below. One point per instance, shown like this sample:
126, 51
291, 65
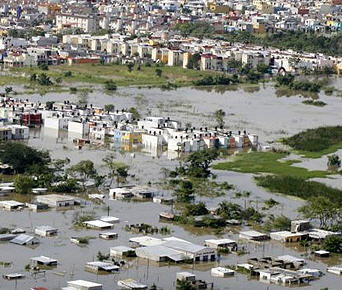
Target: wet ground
260, 112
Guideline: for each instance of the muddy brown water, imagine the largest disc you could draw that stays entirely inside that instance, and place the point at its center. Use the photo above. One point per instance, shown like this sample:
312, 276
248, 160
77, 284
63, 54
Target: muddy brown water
260, 112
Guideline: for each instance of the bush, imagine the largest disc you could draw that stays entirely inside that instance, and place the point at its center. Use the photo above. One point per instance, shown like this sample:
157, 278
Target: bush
110, 85
299, 187
315, 140
23, 184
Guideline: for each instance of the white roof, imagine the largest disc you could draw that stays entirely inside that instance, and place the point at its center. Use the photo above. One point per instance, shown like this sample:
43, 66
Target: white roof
11, 203
220, 241
289, 258
222, 270
146, 241
83, 283
252, 234
109, 219
121, 249
103, 265
46, 228
43, 259
98, 224
322, 252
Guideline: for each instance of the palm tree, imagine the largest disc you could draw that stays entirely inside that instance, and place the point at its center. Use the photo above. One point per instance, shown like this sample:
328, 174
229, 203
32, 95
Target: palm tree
117, 170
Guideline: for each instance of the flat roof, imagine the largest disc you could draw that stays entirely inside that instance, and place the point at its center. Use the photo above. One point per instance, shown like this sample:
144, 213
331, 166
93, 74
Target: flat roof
98, 224
84, 283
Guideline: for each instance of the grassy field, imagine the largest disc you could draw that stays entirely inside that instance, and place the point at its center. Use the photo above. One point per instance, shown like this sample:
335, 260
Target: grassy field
99, 74
299, 187
314, 143
267, 162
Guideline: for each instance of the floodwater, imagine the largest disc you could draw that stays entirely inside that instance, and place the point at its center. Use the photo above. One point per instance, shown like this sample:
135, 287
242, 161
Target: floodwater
260, 112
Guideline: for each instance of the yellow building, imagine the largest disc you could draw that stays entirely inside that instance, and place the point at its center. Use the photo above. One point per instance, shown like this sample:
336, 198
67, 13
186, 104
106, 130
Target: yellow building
213, 7
131, 137
263, 7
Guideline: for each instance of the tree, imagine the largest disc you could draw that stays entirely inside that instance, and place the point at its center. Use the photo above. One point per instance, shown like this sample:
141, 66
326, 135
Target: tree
23, 184
262, 68
285, 80
130, 66
109, 108
197, 164
8, 90
22, 157
219, 117
229, 210
44, 80
333, 244
84, 170
44, 66
195, 209
159, 72
49, 105
117, 170
184, 191
110, 85
58, 80
322, 209
334, 162
33, 77
194, 61
135, 113
184, 285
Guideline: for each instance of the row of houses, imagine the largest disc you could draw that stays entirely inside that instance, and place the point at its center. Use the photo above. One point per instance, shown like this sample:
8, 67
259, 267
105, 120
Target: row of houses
94, 123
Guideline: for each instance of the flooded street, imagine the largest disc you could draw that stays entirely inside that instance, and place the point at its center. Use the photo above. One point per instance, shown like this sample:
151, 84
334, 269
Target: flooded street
260, 112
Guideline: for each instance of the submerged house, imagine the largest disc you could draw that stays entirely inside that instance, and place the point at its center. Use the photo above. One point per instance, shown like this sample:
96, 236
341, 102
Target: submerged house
122, 251
82, 285
43, 260
98, 266
98, 224
25, 240
218, 244
253, 236
288, 237
11, 205
46, 231
172, 249
131, 284
57, 200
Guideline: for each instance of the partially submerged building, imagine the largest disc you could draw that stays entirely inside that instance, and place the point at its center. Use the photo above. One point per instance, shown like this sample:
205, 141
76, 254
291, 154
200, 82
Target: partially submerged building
25, 240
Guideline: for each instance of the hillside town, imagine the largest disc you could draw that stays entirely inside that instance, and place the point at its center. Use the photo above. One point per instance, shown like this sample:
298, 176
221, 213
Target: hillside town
173, 144
141, 32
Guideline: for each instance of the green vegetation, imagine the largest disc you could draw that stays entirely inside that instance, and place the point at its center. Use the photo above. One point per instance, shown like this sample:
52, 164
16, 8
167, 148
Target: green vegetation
314, 143
297, 40
333, 244
314, 103
299, 187
23, 158
280, 223
100, 74
196, 29
197, 164
267, 162
216, 80
109, 108
79, 218
23, 184
115, 170
228, 210
219, 117
83, 171
334, 162
324, 209
303, 85
110, 85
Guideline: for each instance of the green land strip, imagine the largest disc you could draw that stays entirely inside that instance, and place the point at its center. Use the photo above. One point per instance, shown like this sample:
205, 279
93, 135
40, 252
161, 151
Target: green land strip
268, 162
99, 74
